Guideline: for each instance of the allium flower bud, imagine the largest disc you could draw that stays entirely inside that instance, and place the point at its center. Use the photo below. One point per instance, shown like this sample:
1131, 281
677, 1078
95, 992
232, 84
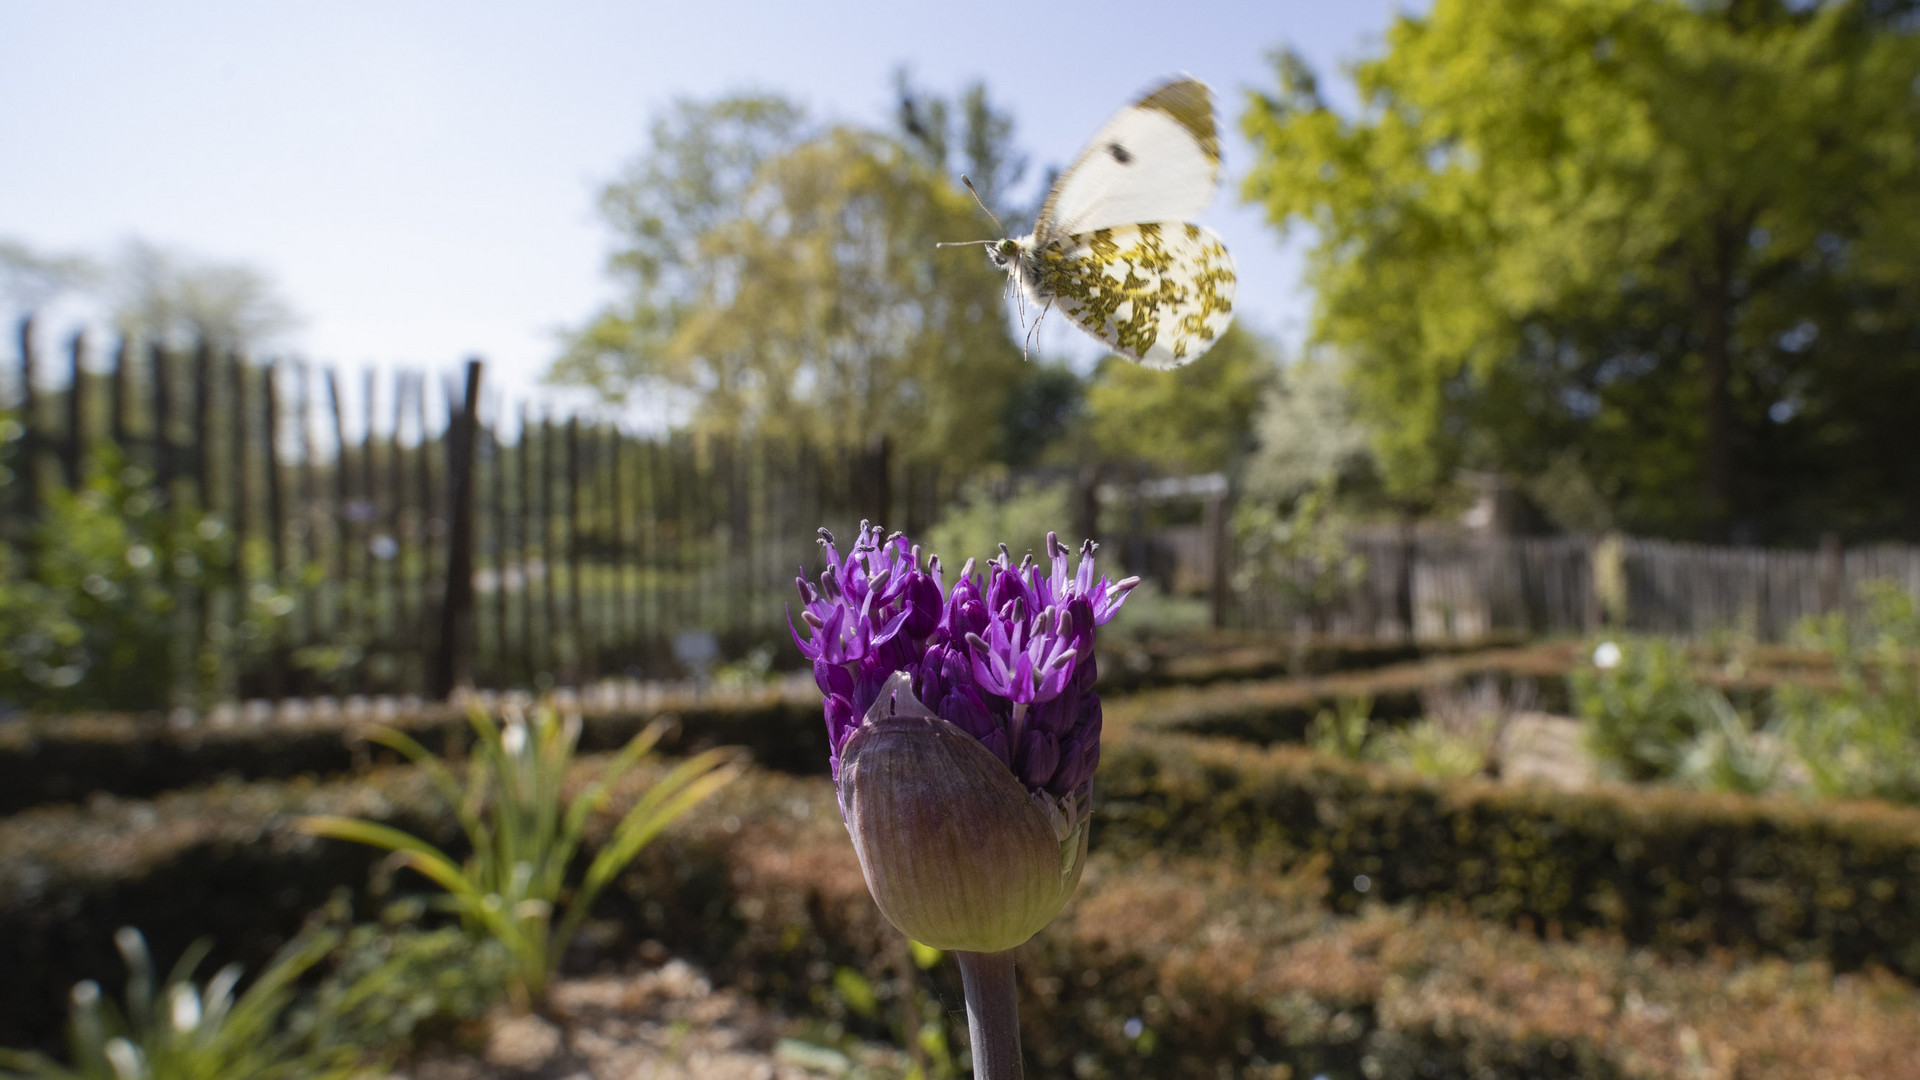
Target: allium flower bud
957, 852
964, 731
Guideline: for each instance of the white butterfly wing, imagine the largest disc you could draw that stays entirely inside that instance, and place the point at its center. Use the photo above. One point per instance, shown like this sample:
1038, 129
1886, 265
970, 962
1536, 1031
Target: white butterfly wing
1155, 160
1160, 294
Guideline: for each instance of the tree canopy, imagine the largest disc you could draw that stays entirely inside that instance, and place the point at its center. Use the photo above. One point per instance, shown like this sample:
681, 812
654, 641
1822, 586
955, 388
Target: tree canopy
1198, 418
786, 275
1673, 246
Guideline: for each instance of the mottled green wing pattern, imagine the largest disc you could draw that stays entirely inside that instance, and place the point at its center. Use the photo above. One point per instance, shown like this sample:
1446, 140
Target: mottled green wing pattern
1160, 293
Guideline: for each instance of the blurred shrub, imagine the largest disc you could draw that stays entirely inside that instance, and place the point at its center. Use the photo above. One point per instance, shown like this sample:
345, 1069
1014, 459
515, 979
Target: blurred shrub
1152, 611
1459, 730
524, 831
182, 1031
1342, 730
1299, 559
91, 612
1663, 866
1642, 706
1730, 754
54, 758
992, 510
1863, 738
1433, 748
389, 982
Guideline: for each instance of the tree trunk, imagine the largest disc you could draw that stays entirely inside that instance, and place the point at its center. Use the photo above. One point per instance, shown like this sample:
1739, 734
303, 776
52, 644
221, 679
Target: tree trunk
1716, 349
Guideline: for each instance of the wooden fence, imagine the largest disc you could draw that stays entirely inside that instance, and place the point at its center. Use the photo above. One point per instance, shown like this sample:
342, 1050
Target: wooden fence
1457, 587
388, 546
406, 539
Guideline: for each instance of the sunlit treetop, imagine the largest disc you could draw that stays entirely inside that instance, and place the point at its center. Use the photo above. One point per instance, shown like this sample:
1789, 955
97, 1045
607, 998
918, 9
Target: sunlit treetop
1642, 236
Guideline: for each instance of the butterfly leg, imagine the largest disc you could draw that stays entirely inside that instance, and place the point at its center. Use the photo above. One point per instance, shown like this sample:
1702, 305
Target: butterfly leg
1033, 332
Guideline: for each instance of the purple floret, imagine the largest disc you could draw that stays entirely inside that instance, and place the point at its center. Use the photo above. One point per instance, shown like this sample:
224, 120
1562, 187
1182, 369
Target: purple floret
1006, 655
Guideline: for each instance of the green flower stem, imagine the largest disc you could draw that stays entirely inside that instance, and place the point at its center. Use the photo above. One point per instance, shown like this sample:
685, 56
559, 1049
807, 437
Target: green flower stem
993, 1014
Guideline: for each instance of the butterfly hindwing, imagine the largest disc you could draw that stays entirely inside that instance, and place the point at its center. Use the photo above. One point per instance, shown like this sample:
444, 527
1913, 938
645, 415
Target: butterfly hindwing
1159, 293
1155, 160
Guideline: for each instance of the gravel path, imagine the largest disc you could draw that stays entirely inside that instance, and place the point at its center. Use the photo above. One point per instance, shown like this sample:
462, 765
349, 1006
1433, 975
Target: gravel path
668, 1023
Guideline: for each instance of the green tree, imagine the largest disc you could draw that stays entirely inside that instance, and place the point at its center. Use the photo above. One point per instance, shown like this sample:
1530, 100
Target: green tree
29, 278
786, 278
1309, 437
182, 300
1678, 244
1198, 418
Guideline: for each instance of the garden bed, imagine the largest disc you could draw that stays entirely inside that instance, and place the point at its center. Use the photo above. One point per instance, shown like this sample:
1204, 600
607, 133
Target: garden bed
57, 759
1682, 872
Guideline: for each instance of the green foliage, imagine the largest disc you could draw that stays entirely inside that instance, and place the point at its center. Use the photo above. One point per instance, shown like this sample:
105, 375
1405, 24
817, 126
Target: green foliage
182, 1031
913, 1016
1643, 711
1730, 755
524, 832
1153, 612
785, 276
1196, 419
1662, 865
1310, 435
1430, 748
1301, 558
90, 606
1042, 409
1667, 247
387, 983
993, 509
1342, 731
162, 295
1862, 739
1446, 743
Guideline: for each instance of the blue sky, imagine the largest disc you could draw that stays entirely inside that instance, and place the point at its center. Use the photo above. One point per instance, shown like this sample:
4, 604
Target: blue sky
420, 178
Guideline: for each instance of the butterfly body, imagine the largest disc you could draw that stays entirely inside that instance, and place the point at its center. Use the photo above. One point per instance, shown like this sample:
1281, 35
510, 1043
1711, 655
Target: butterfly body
1113, 248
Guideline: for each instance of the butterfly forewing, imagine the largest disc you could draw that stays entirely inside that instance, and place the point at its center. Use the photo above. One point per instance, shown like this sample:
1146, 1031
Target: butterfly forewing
1159, 293
1155, 160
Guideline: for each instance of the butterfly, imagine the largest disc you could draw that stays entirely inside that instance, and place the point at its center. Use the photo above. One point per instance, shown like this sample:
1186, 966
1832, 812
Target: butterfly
1113, 247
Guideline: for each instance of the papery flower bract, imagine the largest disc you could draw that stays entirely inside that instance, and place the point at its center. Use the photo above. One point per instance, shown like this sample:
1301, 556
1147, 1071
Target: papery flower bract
957, 853
1004, 659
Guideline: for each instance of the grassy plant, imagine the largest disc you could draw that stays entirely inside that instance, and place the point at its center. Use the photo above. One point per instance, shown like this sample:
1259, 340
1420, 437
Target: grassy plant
1643, 710
1343, 732
1862, 740
524, 832
181, 1031
387, 982
1430, 748
1730, 754
1459, 730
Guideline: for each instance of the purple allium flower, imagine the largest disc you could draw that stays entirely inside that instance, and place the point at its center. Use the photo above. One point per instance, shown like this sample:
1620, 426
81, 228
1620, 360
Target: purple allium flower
963, 728
1006, 654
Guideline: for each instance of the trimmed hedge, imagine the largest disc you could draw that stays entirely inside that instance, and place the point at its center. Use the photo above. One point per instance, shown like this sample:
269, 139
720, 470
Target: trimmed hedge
68, 758
1232, 968
56, 759
1211, 656
1229, 965
1679, 870
1280, 710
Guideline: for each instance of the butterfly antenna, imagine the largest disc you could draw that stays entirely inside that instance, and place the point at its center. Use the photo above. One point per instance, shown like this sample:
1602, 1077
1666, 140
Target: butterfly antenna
983, 203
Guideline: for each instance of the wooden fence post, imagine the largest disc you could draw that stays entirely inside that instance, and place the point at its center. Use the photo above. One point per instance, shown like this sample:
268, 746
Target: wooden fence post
28, 459
1219, 597
1831, 575
452, 658
203, 424
163, 467
120, 410
75, 457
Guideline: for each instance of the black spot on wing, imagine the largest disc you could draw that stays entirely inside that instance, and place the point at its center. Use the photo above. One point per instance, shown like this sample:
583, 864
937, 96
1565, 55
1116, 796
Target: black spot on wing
1120, 153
